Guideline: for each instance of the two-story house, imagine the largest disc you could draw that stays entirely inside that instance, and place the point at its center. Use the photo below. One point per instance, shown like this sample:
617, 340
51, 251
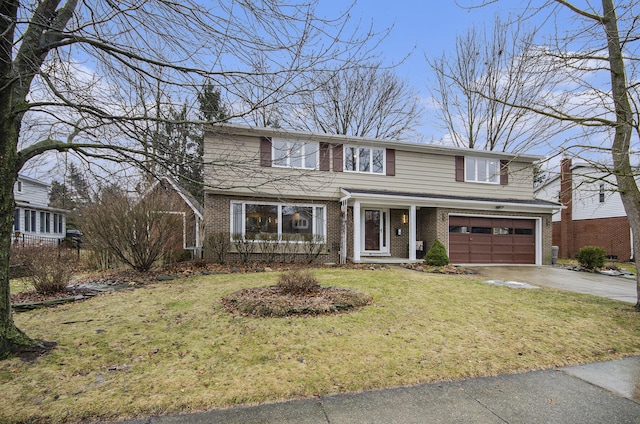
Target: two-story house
593, 213
34, 220
374, 200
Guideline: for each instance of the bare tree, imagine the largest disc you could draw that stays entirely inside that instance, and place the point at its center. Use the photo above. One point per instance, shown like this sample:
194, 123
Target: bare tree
368, 101
70, 71
476, 87
599, 55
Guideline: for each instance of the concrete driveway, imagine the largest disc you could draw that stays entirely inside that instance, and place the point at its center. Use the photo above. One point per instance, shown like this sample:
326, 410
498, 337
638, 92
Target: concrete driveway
618, 288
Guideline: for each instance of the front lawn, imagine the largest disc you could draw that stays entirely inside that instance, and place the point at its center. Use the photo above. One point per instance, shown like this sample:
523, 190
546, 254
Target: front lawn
171, 346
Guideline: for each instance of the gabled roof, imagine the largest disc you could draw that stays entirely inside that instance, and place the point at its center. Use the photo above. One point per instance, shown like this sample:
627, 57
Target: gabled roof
182, 192
33, 180
235, 129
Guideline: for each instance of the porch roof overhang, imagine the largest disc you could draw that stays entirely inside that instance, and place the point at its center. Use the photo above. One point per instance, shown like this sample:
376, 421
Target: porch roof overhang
404, 199
28, 205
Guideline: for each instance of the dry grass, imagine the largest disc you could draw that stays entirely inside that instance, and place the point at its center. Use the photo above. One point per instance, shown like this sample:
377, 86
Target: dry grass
172, 347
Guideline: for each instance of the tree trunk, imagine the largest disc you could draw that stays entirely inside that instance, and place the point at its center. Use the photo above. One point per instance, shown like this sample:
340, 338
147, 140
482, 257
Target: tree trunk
11, 338
623, 131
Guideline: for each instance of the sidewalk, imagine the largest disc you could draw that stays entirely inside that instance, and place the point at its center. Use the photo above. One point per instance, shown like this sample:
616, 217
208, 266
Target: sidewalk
604, 392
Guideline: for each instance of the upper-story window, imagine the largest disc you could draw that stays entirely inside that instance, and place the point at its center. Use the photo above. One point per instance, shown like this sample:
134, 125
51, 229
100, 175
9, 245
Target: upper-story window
364, 159
19, 186
482, 170
601, 194
295, 154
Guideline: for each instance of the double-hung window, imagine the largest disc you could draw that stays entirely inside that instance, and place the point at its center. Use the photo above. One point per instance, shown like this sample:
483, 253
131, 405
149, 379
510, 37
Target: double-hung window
45, 222
482, 170
364, 159
30, 217
57, 223
295, 154
277, 221
16, 220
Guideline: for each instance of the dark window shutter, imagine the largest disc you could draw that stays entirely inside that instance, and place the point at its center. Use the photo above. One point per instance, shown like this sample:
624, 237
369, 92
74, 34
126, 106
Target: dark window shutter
325, 151
504, 172
265, 151
337, 158
391, 162
459, 168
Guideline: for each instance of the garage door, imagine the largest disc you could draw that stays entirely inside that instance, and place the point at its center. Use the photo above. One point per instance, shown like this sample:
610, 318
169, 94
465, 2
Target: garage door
477, 240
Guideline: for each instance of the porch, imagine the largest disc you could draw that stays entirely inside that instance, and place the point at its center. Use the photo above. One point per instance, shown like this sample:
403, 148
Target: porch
388, 260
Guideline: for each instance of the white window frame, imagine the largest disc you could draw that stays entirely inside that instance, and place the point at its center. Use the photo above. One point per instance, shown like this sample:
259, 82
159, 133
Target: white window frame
314, 218
309, 149
17, 216
471, 167
357, 159
19, 186
30, 221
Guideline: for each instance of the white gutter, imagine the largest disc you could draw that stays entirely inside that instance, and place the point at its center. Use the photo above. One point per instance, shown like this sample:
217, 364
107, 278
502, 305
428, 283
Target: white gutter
401, 200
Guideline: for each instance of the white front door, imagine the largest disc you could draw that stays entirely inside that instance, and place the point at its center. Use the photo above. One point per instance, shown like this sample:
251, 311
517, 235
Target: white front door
375, 230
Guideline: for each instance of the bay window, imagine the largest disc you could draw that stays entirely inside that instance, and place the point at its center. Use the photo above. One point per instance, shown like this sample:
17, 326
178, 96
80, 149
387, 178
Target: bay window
275, 221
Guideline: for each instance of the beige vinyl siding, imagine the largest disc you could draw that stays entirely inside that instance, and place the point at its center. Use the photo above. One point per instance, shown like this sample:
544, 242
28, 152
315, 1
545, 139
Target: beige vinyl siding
232, 164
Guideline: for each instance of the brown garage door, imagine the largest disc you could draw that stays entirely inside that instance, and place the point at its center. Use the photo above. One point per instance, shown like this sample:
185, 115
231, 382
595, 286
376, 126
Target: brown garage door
476, 240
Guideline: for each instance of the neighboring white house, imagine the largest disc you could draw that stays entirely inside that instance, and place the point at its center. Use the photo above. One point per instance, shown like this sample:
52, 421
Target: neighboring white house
33, 219
593, 212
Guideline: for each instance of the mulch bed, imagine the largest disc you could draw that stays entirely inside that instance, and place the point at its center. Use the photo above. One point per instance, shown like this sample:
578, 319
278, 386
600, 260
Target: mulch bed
83, 288
273, 302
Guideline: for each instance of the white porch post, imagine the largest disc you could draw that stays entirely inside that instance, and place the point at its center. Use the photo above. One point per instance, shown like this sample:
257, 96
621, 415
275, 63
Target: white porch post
412, 232
343, 232
356, 231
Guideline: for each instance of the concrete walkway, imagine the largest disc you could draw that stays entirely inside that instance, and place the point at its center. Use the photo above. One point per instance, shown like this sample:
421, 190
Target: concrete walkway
618, 288
605, 392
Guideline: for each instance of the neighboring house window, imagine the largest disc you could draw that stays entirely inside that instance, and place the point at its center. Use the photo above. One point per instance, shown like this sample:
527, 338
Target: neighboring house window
16, 220
57, 223
364, 159
19, 186
601, 193
30, 221
275, 221
295, 154
45, 222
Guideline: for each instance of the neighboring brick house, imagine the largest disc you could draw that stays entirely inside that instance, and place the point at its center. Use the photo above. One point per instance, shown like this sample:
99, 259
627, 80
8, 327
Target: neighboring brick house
593, 214
33, 219
181, 203
371, 200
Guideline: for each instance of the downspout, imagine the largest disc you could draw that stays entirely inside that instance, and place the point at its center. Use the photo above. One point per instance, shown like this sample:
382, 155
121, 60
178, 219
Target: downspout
343, 226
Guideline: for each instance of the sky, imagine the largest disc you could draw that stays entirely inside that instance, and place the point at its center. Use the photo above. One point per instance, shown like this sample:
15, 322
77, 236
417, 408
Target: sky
420, 27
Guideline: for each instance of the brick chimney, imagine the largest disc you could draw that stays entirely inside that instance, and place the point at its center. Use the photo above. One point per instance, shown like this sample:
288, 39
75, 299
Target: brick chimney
566, 215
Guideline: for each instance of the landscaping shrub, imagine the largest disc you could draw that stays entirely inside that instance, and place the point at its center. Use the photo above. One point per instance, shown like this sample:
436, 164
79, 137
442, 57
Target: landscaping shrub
245, 246
298, 282
437, 255
591, 257
217, 245
313, 245
49, 268
268, 245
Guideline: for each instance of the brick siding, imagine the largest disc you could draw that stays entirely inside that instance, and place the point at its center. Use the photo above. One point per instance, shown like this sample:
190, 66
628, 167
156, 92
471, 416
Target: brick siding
612, 234
217, 220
